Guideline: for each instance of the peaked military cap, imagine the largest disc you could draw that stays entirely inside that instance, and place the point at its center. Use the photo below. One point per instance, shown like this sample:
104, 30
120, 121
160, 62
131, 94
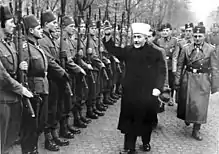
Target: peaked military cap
199, 29
67, 20
189, 25
5, 14
215, 25
107, 25
30, 21
201, 24
165, 26
47, 16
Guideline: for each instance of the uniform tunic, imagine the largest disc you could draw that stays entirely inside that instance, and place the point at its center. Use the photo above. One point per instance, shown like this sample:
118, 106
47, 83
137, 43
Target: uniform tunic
195, 88
145, 70
10, 95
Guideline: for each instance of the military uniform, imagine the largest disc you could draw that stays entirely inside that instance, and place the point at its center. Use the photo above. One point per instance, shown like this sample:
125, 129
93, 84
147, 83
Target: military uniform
38, 84
198, 80
10, 89
170, 45
70, 47
57, 79
10, 99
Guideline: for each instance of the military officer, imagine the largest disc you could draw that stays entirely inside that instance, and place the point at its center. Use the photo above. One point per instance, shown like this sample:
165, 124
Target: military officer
169, 43
50, 46
200, 78
11, 91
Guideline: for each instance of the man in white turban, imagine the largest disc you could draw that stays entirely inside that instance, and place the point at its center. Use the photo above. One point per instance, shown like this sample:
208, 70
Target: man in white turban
142, 84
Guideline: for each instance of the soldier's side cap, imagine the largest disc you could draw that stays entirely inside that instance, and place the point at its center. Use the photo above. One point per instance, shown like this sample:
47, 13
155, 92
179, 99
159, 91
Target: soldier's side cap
30, 21
165, 26
199, 29
189, 25
5, 13
47, 16
67, 20
141, 28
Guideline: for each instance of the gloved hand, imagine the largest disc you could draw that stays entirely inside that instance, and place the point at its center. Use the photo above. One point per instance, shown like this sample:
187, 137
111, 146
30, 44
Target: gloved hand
156, 92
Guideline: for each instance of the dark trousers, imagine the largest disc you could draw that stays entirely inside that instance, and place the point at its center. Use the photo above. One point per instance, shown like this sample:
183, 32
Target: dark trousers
130, 139
171, 80
32, 127
54, 112
10, 120
92, 92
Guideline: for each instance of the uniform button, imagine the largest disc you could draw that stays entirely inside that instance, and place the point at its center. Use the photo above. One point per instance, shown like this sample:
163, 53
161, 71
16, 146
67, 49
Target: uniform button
201, 64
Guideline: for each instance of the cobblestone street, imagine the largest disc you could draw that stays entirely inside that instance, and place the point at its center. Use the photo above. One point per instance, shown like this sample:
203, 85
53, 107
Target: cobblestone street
170, 137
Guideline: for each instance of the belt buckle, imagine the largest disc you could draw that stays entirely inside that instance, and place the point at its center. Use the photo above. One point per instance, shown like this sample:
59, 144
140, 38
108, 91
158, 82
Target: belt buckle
167, 57
194, 70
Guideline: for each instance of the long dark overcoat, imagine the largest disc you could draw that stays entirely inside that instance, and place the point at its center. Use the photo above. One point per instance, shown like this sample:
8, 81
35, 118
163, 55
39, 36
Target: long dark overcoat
145, 70
195, 88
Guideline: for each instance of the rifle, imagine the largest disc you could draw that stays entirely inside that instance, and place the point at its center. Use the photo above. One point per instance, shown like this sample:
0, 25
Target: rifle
99, 45
22, 74
78, 49
63, 56
115, 20
123, 16
88, 44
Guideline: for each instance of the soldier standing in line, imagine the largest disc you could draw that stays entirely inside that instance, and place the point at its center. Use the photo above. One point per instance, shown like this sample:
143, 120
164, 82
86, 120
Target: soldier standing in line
92, 58
77, 73
98, 64
168, 43
197, 76
106, 84
11, 91
50, 46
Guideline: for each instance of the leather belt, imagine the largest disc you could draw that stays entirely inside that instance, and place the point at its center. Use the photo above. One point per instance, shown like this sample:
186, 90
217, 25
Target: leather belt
194, 70
43, 75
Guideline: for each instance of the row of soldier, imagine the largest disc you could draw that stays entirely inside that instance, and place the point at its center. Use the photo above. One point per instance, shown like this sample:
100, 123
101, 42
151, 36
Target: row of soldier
83, 64
82, 67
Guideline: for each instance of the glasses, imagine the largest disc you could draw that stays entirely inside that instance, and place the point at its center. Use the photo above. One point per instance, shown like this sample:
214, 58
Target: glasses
197, 36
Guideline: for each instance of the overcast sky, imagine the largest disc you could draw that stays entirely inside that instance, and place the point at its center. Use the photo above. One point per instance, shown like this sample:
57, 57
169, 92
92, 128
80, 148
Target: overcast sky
202, 8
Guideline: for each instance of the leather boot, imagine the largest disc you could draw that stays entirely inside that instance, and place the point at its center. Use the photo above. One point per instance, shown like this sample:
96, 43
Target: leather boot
74, 130
64, 131
57, 140
49, 143
114, 96
99, 113
77, 121
99, 106
84, 119
196, 132
91, 114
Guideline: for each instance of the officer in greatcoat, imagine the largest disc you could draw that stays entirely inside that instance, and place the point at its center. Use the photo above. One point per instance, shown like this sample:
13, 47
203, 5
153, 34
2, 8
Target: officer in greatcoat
197, 76
11, 91
142, 84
